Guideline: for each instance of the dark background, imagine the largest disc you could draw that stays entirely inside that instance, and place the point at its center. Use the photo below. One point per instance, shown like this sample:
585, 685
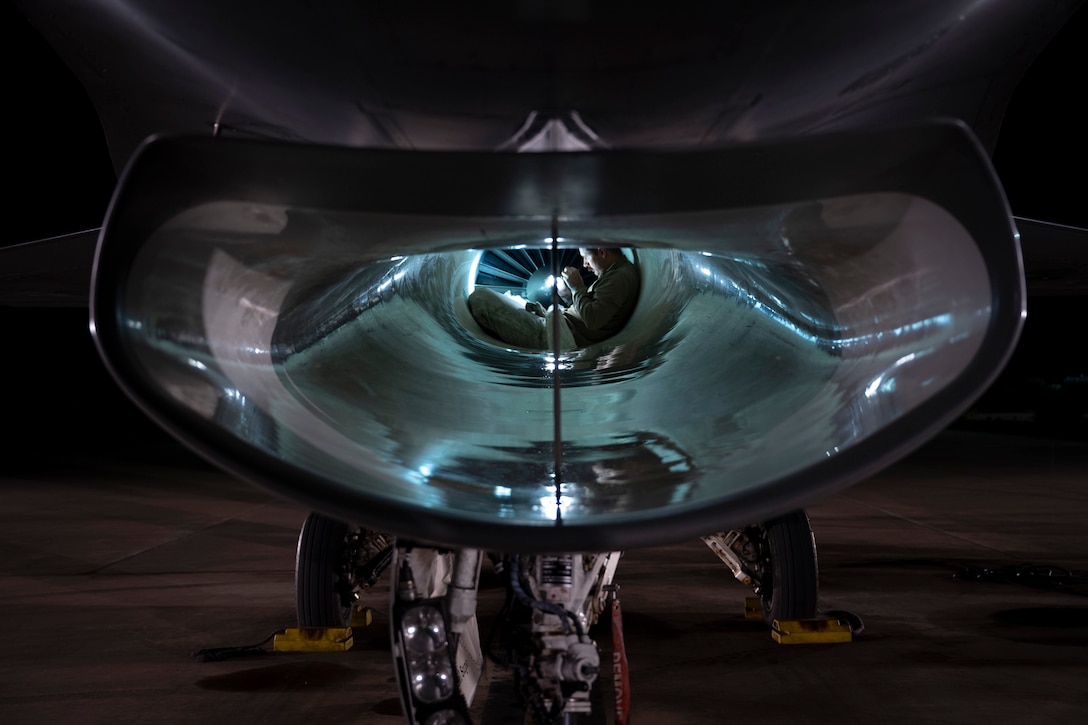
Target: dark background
63, 179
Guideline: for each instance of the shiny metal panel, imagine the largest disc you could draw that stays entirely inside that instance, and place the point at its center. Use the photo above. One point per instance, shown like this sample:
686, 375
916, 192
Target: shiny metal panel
322, 347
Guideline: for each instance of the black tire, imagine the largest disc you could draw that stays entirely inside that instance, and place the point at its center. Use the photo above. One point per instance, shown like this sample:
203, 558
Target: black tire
790, 558
319, 563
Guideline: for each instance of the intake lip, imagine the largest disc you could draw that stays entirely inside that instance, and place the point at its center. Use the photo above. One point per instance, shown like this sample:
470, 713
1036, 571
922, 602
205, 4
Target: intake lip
811, 311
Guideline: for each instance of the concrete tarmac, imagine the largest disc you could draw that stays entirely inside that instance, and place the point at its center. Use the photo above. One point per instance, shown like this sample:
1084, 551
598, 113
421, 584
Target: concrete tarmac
966, 562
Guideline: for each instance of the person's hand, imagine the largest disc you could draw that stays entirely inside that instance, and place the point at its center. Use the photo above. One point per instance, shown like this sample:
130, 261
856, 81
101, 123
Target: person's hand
573, 278
536, 308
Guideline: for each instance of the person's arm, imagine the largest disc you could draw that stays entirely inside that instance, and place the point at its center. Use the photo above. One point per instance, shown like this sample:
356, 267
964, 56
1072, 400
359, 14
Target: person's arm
564, 290
598, 307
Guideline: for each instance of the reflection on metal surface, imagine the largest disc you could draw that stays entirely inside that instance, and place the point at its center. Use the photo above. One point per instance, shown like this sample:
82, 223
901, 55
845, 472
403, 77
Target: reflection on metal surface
330, 353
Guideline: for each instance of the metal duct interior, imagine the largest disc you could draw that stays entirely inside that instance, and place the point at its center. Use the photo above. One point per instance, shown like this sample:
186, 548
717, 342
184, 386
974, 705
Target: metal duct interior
332, 352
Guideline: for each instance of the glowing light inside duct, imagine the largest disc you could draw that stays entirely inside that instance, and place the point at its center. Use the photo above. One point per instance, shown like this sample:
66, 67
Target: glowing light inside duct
550, 363
872, 387
550, 508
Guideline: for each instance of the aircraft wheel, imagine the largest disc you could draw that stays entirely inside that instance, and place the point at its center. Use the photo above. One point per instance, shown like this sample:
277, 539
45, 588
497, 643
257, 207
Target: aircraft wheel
790, 591
321, 569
